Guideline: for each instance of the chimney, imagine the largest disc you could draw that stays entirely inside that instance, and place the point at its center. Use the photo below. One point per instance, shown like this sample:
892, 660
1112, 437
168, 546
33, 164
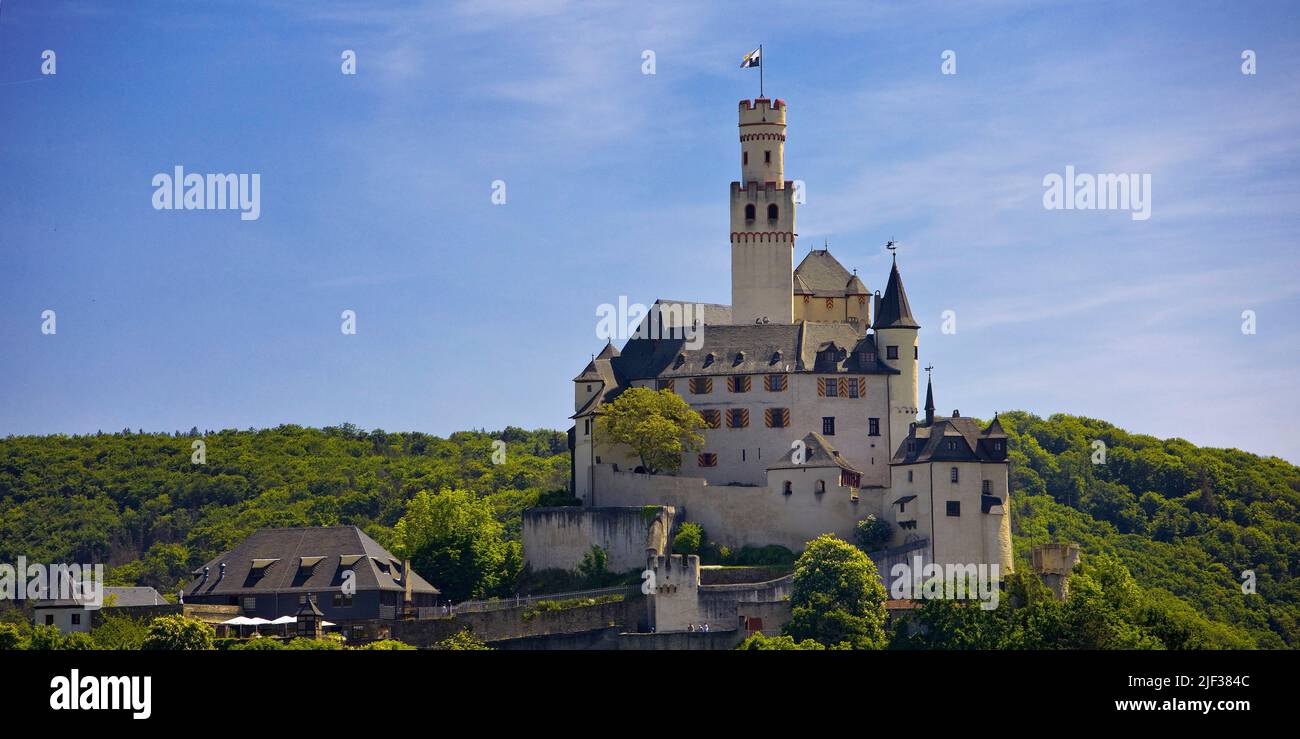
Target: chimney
406, 579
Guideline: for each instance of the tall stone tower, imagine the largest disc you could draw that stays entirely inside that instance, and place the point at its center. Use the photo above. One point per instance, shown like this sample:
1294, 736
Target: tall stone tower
762, 219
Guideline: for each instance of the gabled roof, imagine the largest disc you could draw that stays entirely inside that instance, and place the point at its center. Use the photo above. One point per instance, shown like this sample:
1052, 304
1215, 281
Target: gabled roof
113, 597
374, 569
930, 442
818, 452
823, 274
894, 310
855, 287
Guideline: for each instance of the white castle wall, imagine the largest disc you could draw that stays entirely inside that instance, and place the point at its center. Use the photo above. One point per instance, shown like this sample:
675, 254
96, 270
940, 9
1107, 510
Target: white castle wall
738, 516
558, 538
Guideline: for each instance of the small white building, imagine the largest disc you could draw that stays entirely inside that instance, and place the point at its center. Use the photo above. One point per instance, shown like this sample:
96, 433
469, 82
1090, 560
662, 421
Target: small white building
75, 614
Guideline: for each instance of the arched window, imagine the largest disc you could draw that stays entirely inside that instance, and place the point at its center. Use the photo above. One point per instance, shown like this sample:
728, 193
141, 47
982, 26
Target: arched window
771, 212
749, 212
787, 489
821, 486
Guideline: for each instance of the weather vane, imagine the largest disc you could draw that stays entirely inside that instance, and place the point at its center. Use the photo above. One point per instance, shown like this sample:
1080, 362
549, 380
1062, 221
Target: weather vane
893, 248
928, 367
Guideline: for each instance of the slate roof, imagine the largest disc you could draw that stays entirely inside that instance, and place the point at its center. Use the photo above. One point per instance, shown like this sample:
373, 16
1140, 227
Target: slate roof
121, 597
823, 274
929, 442
894, 310
749, 349
818, 452
340, 548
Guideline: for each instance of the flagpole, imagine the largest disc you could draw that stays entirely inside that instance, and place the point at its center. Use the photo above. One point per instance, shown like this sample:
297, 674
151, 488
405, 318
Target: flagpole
761, 64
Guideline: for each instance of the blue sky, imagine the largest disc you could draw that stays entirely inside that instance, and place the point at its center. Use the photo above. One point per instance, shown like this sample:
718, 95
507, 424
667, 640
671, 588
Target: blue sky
375, 197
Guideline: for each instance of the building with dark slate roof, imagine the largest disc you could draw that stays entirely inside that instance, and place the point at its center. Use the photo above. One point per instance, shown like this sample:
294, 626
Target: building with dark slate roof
348, 575
808, 384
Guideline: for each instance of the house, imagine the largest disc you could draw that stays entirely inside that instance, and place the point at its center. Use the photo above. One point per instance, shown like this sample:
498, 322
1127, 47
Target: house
348, 575
73, 614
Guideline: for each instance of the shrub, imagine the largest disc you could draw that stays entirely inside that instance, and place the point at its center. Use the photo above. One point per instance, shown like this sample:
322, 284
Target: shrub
78, 641
464, 641
178, 633
11, 637
45, 638
689, 538
872, 534
257, 645
388, 645
323, 643
119, 632
557, 499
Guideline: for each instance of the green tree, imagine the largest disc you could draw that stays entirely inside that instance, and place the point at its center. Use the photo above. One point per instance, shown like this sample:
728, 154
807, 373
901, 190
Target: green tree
837, 597
388, 645
257, 645
11, 637
455, 541
78, 641
178, 633
45, 638
658, 426
119, 632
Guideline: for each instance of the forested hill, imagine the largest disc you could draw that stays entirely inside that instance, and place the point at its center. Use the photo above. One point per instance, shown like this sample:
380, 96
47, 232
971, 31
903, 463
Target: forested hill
1186, 521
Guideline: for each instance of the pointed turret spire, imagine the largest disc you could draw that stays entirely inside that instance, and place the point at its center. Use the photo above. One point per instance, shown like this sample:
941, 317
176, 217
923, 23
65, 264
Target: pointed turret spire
894, 310
929, 397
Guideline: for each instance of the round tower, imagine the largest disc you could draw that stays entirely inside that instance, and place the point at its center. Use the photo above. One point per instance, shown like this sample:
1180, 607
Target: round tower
762, 219
896, 342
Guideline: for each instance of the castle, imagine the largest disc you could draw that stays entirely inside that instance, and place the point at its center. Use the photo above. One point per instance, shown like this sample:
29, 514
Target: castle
809, 384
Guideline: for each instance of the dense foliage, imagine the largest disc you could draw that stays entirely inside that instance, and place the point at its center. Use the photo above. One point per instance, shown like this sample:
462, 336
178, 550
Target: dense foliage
836, 597
1184, 522
136, 501
657, 425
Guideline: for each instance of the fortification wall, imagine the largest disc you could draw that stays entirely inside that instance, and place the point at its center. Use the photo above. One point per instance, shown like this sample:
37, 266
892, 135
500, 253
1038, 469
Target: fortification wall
558, 538
739, 516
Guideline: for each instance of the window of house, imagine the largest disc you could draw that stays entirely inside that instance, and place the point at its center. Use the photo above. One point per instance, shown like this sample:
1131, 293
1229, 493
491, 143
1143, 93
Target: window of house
775, 383
701, 385
873, 427
787, 487
772, 212
589, 387
249, 602
891, 352
853, 387
987, 488
832, 387
749, 212
767, 157
342, 600
911, 446
952, 445
820, 487
708, 459
916, 352
712, 418
997, 446
49, 619
737, 418
954, 508
738, 384
776, 418
744, 157
952, 475
828, 426
667, 385
586, 427
909, 475
76, 619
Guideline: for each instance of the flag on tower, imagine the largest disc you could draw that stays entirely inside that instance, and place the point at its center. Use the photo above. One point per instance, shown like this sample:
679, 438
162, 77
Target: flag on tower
753, 58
